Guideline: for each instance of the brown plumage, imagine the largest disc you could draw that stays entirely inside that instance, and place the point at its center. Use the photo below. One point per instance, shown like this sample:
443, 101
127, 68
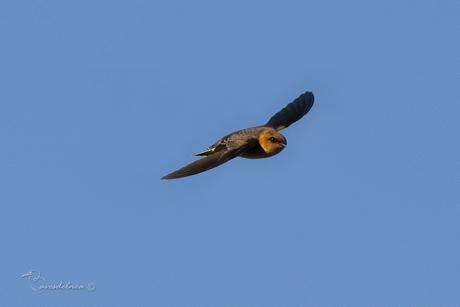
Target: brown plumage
252, 143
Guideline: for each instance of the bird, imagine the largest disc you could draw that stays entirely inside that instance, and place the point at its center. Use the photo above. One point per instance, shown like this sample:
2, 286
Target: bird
252, 143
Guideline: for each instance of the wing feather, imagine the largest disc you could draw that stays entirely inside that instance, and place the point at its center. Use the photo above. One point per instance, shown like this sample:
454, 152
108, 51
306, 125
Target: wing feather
292, 112
203, 164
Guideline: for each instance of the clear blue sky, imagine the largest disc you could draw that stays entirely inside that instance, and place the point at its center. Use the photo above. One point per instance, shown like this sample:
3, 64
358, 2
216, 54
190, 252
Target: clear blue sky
99, 99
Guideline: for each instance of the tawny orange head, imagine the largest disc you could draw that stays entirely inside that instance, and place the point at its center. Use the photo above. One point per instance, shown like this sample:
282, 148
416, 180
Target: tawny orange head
272, 142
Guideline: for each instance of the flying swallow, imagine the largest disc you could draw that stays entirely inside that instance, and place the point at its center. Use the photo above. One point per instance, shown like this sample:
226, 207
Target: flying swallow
252, 143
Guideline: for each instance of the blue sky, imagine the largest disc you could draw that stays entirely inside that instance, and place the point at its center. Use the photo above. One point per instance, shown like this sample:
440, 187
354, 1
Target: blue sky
100, 99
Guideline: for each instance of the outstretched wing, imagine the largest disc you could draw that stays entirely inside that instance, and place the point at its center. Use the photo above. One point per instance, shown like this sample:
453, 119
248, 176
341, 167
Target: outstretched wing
204, 164
292, 112
225, 149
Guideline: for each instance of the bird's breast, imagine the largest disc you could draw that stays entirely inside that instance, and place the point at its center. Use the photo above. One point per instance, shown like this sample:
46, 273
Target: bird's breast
256, 152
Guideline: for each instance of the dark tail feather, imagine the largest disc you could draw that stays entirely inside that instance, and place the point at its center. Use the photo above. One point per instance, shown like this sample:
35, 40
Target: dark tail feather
206, 152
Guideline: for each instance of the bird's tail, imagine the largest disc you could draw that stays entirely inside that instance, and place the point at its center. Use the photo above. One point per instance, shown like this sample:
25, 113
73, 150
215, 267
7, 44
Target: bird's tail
206, 152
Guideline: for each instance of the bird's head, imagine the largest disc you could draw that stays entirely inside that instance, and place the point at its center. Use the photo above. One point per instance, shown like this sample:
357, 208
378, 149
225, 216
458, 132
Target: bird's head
271, 141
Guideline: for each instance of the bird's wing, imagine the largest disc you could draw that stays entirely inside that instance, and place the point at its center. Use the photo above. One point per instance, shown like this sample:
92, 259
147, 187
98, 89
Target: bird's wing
292, 112
208, 162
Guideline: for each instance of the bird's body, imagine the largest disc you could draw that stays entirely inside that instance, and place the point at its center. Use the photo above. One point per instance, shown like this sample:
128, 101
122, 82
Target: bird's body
252, 143
254, 135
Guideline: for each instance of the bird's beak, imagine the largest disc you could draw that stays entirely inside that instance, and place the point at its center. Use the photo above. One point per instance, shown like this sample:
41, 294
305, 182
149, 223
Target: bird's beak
284, 142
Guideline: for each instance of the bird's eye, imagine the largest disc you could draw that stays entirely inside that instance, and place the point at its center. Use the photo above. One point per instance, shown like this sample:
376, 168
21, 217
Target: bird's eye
272, 139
